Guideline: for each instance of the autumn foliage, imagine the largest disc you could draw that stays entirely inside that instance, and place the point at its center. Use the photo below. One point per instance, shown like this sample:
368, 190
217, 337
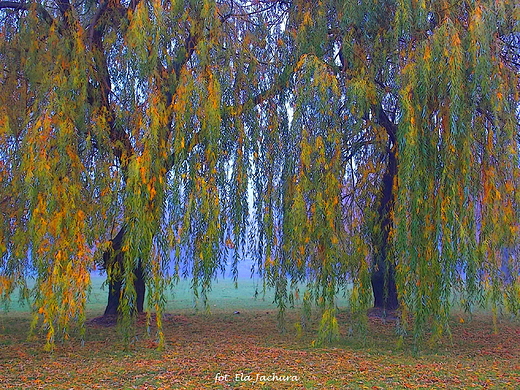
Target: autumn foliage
369, 147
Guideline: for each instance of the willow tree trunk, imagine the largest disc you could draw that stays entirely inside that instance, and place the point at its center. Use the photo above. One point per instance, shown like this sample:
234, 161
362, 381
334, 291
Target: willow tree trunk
113, 262
383, 271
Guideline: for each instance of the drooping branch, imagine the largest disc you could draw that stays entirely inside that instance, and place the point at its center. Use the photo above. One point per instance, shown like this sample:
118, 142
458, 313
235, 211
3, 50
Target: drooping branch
190, 45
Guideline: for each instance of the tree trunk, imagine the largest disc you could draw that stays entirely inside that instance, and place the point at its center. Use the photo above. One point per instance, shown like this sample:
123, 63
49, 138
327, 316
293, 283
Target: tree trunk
113, 263
140, 288
384, 289
114, 292
383, 271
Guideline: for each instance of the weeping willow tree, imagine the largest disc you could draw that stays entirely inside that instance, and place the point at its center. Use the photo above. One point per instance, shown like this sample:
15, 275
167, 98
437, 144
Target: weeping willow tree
115, 150
400, 173
418, 101
457, 200
369, 146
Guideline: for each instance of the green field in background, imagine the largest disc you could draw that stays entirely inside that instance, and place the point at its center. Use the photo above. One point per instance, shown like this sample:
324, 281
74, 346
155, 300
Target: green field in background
248, 294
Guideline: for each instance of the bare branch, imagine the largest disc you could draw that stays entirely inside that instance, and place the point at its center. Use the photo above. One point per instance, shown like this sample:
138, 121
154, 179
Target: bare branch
14, 5
66, 11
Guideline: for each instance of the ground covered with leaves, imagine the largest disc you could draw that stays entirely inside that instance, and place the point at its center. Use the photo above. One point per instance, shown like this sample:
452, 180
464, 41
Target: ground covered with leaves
225, 350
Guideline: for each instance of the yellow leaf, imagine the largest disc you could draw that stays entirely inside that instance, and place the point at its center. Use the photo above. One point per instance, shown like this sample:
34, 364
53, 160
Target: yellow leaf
230, 244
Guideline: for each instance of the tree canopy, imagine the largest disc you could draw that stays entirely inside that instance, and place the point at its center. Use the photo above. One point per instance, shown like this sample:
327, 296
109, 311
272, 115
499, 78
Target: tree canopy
370, 146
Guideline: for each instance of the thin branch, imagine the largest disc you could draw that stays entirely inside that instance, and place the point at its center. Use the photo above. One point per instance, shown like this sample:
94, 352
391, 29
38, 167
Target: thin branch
44, 14
96, 18
281, 83
5, 200
66, 11
355, 147
383, 120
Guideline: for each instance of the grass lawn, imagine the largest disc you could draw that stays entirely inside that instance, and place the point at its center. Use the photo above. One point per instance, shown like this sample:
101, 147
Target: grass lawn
223, 350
